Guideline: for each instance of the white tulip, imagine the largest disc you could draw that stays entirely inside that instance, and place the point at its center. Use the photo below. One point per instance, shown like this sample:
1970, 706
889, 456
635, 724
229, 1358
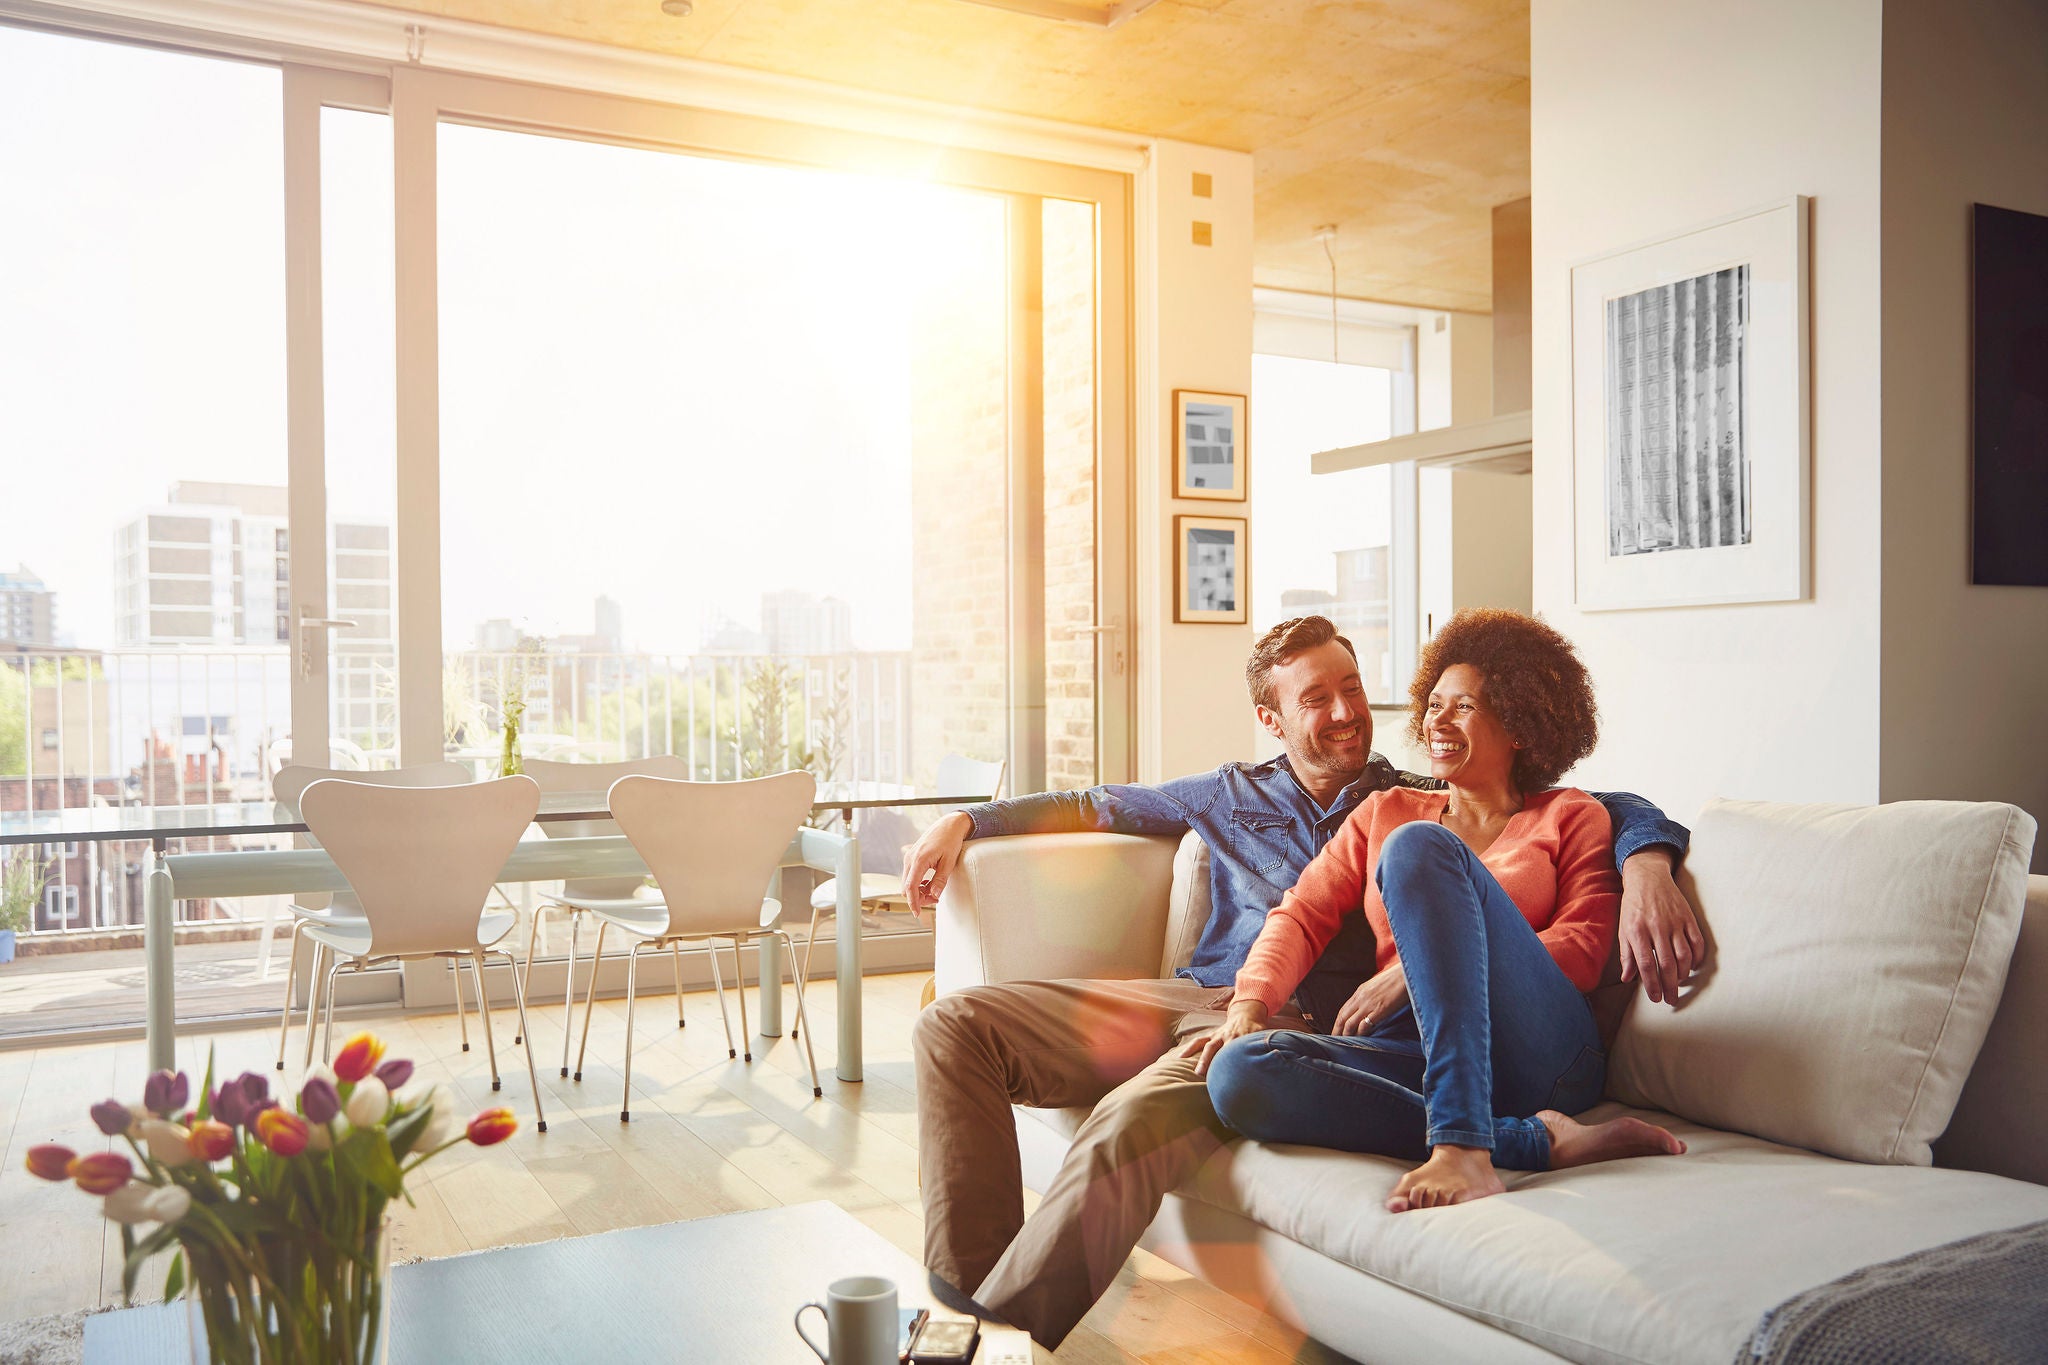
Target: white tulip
170, 1143
369, 1104
167, 1203
324, 1072
442, 1126
319, 1137
130, 1203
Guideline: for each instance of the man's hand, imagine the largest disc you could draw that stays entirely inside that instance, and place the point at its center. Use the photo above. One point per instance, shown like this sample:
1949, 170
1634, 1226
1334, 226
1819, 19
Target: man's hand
929, 863
1378, 996
1245, 1016
1660, 939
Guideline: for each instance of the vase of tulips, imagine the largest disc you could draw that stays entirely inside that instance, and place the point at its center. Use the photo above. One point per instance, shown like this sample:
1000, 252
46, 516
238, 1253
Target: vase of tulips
275, 1209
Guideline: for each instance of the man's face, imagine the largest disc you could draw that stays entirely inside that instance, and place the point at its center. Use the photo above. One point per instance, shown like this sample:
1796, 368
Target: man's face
1320, 713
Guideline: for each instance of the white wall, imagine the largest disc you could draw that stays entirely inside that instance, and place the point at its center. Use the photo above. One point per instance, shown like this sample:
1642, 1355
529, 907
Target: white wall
1647, 120
1194, 305
1965, 668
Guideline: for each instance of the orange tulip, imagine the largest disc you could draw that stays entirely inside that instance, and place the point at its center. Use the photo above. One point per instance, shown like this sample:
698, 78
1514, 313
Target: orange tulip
102, 1172
281, 1131
358, 1056
492, 1127
51, 1161
212, 1139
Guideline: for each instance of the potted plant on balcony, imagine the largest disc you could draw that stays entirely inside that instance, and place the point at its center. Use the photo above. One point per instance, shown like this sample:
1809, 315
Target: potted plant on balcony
21, 888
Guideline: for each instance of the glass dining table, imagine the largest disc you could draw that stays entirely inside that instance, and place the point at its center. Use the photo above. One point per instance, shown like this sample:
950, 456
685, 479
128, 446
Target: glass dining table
260, 872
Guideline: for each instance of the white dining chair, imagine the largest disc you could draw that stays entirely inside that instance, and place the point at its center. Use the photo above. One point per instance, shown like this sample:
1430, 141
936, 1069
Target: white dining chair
712, 847
286, 786
882, 892
421, 860
581, 895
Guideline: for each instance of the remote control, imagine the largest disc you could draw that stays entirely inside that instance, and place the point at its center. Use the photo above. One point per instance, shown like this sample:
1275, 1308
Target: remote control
1004, 1346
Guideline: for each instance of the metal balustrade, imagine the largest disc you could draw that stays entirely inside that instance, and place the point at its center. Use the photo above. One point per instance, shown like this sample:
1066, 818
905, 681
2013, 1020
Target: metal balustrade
208, 726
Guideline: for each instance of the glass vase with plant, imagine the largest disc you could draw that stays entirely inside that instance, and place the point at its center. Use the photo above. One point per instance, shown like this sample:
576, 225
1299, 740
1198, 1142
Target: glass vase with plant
276, 1214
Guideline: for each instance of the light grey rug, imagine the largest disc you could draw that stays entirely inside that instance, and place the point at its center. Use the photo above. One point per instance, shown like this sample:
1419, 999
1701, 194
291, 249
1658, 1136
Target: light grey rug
56, 1339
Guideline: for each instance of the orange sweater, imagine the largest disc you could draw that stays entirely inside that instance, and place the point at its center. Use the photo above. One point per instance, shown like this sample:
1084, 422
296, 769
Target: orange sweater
1555, 860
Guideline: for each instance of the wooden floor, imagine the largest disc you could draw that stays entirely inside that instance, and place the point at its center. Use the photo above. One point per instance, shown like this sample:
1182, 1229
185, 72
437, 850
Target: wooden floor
709, 1135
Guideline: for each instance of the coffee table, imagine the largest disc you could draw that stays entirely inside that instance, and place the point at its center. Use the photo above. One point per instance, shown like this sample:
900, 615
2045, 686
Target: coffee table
712, 1290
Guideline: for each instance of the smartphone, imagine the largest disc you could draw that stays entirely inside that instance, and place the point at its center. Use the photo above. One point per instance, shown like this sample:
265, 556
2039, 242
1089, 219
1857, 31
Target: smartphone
944, 1342
908, 1320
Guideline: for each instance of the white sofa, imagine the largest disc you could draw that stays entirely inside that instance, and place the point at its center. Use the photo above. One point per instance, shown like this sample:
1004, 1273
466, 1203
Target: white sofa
1646, 1260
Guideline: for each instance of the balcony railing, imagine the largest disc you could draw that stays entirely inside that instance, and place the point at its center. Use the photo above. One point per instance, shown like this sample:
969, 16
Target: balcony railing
203, 726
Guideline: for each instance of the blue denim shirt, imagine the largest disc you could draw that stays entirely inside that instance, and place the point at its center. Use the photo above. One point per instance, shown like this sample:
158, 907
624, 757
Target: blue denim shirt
1262, 828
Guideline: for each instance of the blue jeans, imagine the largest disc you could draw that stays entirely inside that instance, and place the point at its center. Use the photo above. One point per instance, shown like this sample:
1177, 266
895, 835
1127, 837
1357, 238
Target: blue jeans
1494, 1031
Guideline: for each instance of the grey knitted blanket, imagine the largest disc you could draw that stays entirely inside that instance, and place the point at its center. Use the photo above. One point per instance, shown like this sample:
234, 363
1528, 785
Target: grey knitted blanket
1983, 1300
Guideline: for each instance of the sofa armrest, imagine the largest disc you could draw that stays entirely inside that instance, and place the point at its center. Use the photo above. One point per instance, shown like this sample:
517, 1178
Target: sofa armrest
1036, 907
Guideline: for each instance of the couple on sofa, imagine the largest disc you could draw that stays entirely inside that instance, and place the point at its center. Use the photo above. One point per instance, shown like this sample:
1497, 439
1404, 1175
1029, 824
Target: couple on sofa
1418, 988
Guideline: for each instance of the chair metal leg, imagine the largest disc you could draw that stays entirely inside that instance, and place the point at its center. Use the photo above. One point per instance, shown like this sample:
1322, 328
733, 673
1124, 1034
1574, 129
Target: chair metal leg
532, 929
803, 1021
626, 1095
590, 995
532, 1073
291, 965
327, 1028
569, 988
675, 950
739, 988
461, 1019
483, 1012
314, 962
718, 985
810, 946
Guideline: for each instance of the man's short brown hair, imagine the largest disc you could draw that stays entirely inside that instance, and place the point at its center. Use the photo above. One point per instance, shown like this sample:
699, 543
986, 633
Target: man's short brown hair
1282, 643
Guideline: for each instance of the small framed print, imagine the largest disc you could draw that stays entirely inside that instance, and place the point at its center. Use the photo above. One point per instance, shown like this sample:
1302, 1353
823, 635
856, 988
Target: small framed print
1209, 570
1209, 438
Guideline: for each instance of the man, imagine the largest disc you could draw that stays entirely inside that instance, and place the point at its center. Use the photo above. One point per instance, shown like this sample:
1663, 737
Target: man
1114, 1044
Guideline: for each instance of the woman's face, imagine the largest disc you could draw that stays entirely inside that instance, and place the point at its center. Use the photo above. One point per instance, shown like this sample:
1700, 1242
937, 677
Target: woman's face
1468, 746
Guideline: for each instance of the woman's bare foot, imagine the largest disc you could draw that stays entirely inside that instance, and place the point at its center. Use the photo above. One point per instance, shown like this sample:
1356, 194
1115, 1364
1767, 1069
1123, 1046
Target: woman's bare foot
1452, 1175
1580, 1144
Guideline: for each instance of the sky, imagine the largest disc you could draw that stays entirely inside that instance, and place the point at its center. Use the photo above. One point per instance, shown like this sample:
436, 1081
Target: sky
677, 381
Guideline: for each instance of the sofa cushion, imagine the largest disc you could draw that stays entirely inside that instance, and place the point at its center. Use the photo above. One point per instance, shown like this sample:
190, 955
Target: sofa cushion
1856, 954
1187, 912
1654, 1259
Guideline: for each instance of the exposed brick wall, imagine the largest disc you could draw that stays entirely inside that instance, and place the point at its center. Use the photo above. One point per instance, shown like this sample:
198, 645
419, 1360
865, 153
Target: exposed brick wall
1069, 493
959, 439
958, 443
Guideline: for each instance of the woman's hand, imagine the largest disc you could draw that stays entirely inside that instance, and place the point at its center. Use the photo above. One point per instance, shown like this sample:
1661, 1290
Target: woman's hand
1378, 996
1245, 1016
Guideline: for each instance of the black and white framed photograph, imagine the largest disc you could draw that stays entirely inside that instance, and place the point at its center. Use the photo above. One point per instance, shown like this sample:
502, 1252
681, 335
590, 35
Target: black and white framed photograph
1209, 570
1209, 436
1690, 450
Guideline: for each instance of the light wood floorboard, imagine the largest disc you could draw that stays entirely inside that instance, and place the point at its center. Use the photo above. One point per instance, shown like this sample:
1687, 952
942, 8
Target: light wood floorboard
709, 1135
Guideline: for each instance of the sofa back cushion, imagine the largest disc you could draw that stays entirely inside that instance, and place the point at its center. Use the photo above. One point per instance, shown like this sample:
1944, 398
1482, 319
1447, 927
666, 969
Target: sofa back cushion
2001, 1121
1188, 905
1855, 959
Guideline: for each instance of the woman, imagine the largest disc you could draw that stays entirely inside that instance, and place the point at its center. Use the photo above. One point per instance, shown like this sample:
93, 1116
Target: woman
1494, 903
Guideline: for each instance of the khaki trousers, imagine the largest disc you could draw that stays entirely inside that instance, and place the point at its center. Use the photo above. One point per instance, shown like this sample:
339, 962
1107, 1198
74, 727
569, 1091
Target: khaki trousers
1056, 1045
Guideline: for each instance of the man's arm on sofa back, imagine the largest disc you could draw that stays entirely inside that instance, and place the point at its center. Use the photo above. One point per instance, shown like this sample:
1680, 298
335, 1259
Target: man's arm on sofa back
1045, 906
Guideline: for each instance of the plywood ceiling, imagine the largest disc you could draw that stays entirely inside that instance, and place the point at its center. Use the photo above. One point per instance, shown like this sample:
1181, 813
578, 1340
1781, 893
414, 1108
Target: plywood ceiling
1402, 121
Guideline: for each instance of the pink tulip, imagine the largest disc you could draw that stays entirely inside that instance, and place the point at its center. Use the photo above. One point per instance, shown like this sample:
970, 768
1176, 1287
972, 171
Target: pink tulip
51, 1161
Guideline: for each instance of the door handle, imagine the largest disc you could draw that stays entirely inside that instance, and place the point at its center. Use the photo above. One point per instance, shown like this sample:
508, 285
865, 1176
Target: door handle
309, 624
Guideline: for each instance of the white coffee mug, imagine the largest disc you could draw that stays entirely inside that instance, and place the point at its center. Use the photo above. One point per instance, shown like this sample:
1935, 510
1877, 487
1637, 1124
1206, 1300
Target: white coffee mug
860, 1322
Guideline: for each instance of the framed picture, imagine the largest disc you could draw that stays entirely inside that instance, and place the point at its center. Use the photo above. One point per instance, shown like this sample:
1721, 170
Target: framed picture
1691, 454
1209, 437
1209, 570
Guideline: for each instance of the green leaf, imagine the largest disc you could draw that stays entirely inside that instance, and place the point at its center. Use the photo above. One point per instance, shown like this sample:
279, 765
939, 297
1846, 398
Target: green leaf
139, 1252
175, 1280
404, 1131
380, 1167
205, 1110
